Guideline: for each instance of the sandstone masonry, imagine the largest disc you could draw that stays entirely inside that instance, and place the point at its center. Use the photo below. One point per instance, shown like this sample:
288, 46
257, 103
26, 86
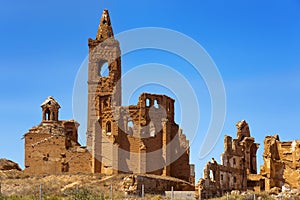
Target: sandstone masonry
52, 147
238, 168
281, 163
142, 138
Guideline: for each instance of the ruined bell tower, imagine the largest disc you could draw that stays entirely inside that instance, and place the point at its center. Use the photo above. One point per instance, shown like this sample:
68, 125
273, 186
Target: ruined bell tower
137, 139
104, 92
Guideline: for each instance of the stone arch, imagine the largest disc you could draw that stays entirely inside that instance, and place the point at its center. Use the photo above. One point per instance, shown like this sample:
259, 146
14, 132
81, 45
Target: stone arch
47, 114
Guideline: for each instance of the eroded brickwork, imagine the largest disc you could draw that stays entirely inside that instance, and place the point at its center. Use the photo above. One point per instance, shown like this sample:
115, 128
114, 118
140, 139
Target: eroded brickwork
132, 184
140, 138
238, 167
281, 163
52, 147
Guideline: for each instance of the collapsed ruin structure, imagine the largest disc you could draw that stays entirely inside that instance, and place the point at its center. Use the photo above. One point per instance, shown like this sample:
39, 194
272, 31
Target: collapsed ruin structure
238, 166
142, 138
238, 171
52, 147
281, 163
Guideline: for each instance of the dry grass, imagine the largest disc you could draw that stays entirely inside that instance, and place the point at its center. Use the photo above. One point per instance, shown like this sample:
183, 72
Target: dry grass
17, 186
258, 196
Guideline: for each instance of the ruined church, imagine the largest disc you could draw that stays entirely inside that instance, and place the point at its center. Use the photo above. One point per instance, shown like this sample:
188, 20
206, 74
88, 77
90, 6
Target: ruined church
142, 138
238, 169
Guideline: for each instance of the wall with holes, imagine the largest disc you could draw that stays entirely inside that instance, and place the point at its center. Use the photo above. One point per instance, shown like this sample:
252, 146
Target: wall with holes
50, 148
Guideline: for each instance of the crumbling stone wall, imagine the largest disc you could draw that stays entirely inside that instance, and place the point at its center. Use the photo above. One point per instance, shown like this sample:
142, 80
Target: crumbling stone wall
132, 184
281, 163
141, 138
238, 164
52, 147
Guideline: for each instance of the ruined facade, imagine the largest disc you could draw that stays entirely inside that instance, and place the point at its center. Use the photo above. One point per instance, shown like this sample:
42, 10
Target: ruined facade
281, 163
142, 138
52, 147
238, 168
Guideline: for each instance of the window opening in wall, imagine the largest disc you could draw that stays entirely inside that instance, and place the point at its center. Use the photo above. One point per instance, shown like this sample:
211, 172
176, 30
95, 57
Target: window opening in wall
211, 175
108, 127
105, 103
222, 177
47, 114
130, 124
156, 104
103, 69
152, 133
234, 162
234, 179
147, 102
152, 129
129, 127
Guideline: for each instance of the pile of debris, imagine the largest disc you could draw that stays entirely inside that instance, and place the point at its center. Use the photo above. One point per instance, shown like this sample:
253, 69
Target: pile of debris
286, 192
136, 184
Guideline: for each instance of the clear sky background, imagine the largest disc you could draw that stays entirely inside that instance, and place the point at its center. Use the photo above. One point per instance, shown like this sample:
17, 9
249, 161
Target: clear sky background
255, 45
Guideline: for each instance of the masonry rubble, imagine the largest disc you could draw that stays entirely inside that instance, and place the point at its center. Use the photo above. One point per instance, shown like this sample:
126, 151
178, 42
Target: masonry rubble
237, 170
279, 175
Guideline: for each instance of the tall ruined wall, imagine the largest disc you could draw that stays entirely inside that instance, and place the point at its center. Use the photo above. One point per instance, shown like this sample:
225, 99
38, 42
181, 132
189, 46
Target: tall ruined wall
238, 164
281, 162
181, 167
141, 138
146, 137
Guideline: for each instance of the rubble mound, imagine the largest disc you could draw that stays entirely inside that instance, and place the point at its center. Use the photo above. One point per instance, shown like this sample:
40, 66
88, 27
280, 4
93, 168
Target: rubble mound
153, 184
8, 165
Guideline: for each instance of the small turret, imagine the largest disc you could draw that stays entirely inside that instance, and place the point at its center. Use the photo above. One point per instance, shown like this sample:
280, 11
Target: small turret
50, 109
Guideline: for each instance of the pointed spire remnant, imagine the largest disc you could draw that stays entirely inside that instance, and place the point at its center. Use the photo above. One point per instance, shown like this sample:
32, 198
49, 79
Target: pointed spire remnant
105, 30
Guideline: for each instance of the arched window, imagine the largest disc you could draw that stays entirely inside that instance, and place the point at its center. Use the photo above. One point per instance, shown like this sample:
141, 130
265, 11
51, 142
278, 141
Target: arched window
152, 129
47, 114
108, 127
130, 124
103, 69
211, 175
156, 104
147, 102
130, 127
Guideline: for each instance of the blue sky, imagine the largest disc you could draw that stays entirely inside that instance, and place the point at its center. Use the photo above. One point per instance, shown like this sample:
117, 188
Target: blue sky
255, 45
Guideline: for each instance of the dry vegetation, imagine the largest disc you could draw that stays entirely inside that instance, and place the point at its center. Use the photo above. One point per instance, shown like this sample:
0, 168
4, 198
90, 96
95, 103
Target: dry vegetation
16, 186
257, 196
